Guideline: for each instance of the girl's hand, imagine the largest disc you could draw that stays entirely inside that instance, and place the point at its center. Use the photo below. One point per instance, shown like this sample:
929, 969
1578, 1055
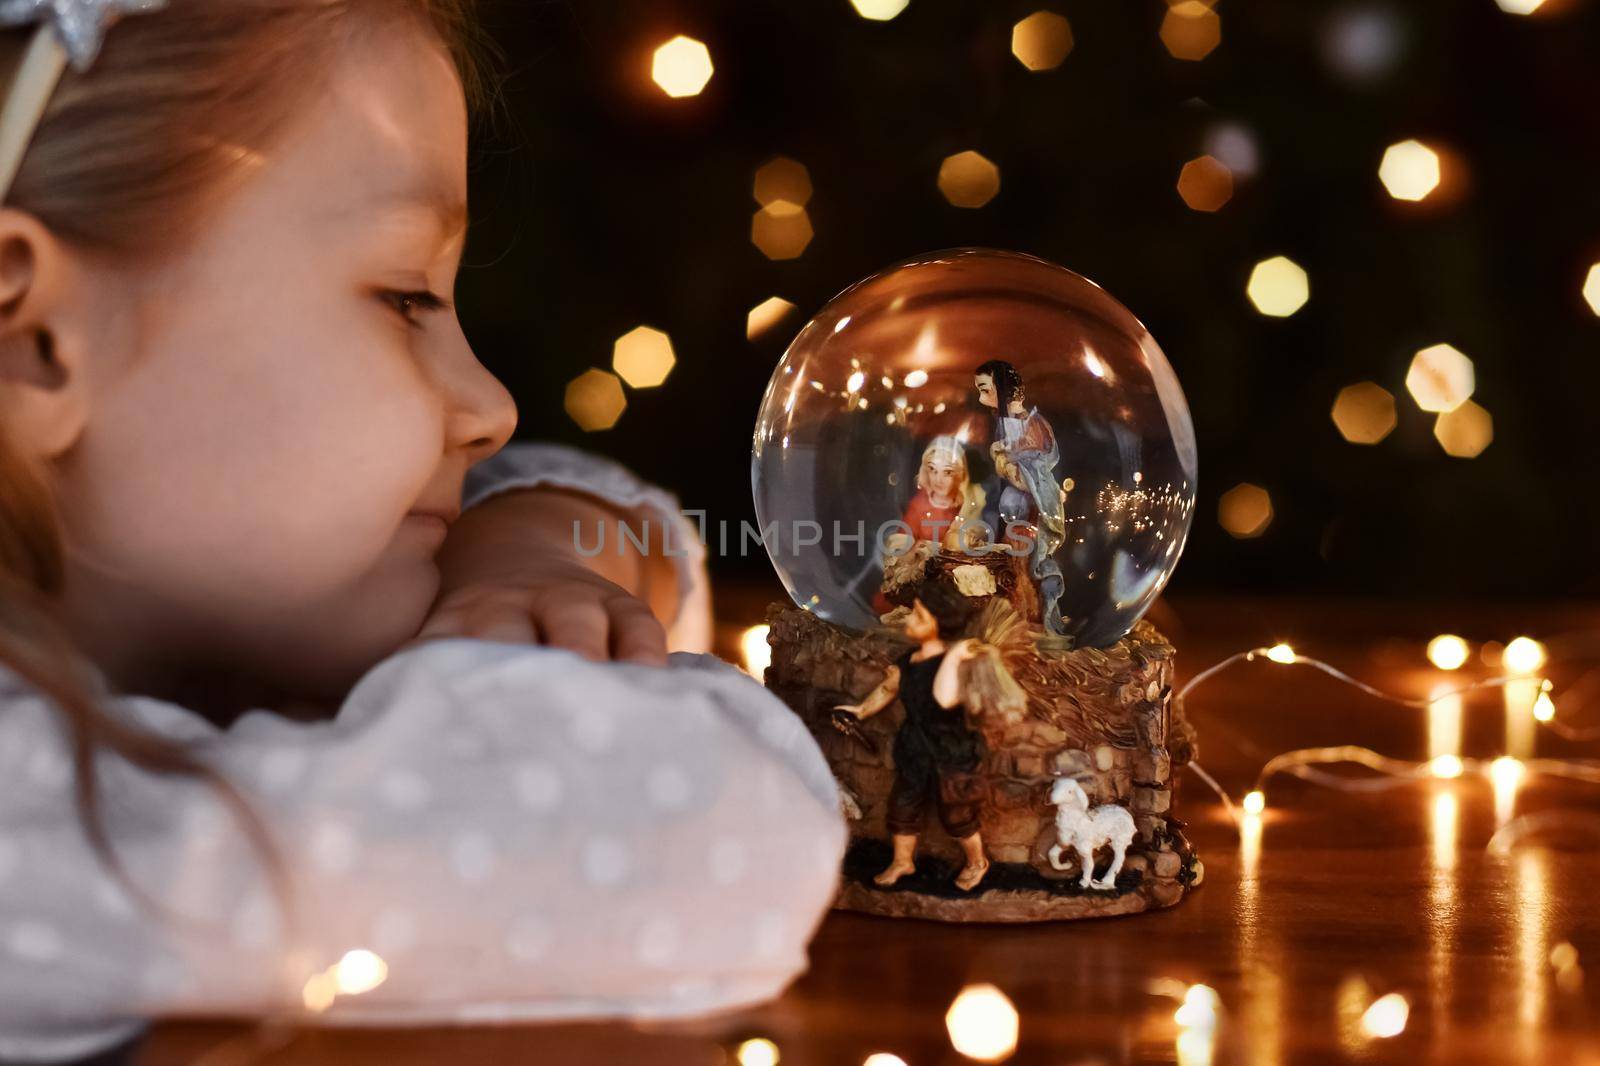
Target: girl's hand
558, 603
510, 571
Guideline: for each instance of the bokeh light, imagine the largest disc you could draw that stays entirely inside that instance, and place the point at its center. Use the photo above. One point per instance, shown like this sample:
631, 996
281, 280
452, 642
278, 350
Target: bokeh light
967, 179
1386, 1017
1205, 184
1363, 43
1278, 287
359, 971
1199, 1009
1523, 656
681, 67
883, 1058
1245, 510
1410, 170
1465, 431
766, 314
594, 400
879, 10
1519, 7
1364, 413
1447, 651
643, 357
755, 651
1190, 30
1441, 378
1591, 288
781, 229
982, 1023
1041, 41
782, 178
1446, 767
1234, 146
757, 1051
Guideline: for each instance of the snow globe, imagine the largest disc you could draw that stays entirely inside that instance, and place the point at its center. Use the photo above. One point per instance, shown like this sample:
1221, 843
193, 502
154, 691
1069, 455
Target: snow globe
974, 472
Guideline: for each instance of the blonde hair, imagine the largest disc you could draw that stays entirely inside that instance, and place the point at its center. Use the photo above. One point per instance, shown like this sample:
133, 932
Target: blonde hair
126, 161
972, 496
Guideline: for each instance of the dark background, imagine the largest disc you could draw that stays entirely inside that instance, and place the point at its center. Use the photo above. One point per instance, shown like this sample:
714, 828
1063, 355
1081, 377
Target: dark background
600, 204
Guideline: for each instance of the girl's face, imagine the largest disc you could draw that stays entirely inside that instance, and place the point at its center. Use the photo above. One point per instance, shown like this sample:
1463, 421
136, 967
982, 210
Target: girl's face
272, 411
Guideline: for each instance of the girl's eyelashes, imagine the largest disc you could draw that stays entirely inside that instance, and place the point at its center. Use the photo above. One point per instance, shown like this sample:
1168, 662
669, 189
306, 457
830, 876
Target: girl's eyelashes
409, 304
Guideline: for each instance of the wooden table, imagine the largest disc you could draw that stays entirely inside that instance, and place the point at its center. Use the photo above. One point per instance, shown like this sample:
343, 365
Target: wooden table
1335, 900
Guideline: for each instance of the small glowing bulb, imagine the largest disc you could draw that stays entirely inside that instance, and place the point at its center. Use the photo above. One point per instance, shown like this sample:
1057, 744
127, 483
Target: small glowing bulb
982, 1023
1446, 766
1447, 652
1506, 772
1523, 656
1199, 1010
359, 971
916, 379
883, 1058
1255, 802
758, 1052
855, 381
1387, 1016
755, 651
1281, 653
1544, 708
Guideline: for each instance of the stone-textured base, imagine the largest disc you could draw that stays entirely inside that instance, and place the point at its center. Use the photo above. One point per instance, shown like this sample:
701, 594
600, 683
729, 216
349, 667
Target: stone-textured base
1102, 716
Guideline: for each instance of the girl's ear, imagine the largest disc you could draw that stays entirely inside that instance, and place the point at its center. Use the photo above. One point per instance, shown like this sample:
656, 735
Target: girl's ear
43, 388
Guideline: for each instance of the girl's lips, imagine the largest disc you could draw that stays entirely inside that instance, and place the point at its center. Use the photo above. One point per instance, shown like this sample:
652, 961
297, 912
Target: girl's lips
436, 524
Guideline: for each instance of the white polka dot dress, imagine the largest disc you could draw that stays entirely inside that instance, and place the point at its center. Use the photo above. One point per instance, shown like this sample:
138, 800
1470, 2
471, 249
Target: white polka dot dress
515, 832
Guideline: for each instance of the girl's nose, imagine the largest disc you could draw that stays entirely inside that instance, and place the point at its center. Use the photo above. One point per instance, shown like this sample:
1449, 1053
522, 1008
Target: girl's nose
482, 414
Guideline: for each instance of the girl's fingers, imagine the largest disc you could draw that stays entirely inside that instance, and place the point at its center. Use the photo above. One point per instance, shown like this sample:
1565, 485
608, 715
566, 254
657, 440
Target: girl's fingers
580, 625
506, 626
636, 635
505, 622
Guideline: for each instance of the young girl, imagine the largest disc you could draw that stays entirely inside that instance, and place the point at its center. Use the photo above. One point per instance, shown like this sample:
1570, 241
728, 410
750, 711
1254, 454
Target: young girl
269, 695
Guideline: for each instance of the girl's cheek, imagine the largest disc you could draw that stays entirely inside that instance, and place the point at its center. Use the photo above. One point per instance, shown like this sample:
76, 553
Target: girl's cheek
287, 484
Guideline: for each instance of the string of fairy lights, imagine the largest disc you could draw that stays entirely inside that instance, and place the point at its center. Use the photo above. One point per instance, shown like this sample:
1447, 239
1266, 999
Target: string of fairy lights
982, 1022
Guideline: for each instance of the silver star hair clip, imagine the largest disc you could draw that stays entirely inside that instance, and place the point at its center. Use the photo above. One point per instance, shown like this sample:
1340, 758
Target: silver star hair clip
69, 31
80, 25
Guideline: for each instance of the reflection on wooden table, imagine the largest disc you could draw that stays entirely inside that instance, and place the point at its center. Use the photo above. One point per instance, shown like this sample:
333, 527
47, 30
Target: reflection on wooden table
1333, 926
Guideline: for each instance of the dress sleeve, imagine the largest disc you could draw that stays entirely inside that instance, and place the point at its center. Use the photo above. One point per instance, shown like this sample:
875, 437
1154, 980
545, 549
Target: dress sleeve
525, 465
498, 832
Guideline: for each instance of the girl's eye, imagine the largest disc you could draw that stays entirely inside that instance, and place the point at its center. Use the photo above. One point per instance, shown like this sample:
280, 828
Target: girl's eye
410, 304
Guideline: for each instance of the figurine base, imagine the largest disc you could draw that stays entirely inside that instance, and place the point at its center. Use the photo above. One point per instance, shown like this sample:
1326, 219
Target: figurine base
1010, 893
1100, 716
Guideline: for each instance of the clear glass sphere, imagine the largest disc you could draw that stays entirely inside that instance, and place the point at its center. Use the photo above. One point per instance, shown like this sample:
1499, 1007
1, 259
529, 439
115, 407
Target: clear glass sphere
965, 400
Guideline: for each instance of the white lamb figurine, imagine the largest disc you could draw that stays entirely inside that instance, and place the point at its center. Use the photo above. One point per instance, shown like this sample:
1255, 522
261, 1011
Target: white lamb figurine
1084, 830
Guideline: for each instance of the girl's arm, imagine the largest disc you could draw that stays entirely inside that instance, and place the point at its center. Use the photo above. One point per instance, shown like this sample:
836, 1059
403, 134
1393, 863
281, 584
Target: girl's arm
558, 546
516, 832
